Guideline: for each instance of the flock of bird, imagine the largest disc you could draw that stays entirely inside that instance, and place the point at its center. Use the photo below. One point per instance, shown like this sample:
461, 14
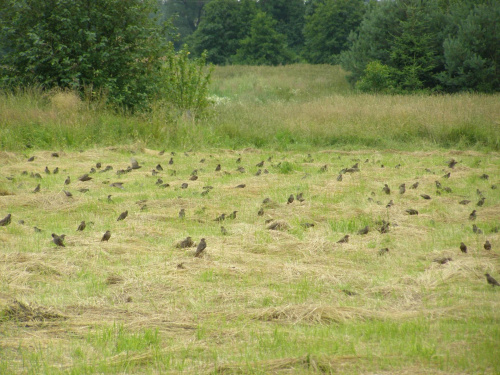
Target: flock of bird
58, 240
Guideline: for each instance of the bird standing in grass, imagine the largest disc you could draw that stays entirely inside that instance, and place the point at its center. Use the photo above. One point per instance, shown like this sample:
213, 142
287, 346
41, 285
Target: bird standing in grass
491, 280
472, 215
182, 213
37, 189
386, 189
364, 230
5, 221
290, 199
344, 239
463, 248
487, 245
122, 216
67, 181
201, 247
106, 236
58, 240
82, 226
402, 188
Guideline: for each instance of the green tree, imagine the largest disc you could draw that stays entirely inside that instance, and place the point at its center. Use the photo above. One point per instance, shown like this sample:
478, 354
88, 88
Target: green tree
289, 17
327, 29
224, 25
109, 45
264, 45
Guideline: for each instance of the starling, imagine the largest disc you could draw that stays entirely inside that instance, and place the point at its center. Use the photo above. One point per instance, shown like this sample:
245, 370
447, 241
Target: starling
349, 293
472, 215
411, 211
442, 260
447, 189
261, 212
479, 192
364, 230
5, 221
56, 170
217, 168
484, 177
68, 194
159, 181
171, 161
109, 199
240, 169
266, 201
222, 217
182, 213
92, 170
402, 188
463, 248
260, 165
491, 280
118, 185
134, 164
54, 155
386, 189
259, 172
47, 170
464, 202
106, 236
85, 177
447, 175
58, 240
438, 184
184, 185
193, 178
98, 165
452, 163
202, 160
339, 177
383, 251
108, 168
31, 159
37, 230
37, 189
122, 216
232, 215
67, 181
83, 190
415, 185
307, 225
425, 196
240, 186
390, 204
238, 160
344, 239
324, 168
82, 226
187, 242
475, 229
201, 246
487, 245
159, 168
385, 227
161, 152
223, 231
480, 202
290, 199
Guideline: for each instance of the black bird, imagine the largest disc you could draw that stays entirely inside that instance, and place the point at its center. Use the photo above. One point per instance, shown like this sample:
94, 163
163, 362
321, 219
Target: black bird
472, 215
193, 178
290, 199
261, 212
390, 204
240, 186
463, 248
37, 230
238, 160
58, 240
106, 236
491, 280
307, 225
260, 165
438, 184
300, 197
415, 185
365, 230
122, 216
386, 189
5, 221
201, 246
187, 242
56, 170
68, 194
223, 231
222, 217
217, 168
184, 185
67, 181
344, 239
134, 164
383, 251
425, 196
266, 201
98, 165
171, 161
484, 177
259, 172
47, 170
232, 215
487, 245
37, 189
159, 168
447, 175
85, 177
182, 213
402, 188
324, 168
411, 211
452, 163
475, 229
385, 227
339, 177
31, 159
82, 226
480, 202
464, 202
442, 260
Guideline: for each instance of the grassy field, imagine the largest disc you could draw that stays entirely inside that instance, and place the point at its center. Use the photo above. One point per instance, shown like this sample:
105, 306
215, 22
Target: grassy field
290, 300
259, 300
296, 107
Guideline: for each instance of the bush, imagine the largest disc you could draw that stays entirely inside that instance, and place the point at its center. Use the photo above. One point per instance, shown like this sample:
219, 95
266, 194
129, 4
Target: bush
376, 78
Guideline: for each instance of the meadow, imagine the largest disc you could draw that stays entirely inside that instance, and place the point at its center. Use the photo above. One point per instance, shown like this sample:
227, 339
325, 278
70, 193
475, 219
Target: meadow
274, 292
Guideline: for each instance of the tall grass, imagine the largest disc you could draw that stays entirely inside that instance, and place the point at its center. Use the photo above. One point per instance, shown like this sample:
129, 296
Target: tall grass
290, 107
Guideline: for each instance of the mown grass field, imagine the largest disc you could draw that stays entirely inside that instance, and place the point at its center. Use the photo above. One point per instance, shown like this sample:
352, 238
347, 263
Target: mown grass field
259, 301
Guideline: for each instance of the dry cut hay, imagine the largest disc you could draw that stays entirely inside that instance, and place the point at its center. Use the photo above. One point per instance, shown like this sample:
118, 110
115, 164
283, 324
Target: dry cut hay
22, 312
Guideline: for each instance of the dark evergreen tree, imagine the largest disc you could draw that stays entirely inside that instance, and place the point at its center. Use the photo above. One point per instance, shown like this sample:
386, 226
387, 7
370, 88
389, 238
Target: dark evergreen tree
264, 45
327, 29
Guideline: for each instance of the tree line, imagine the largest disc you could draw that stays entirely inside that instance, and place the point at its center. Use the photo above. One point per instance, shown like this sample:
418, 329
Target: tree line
134, 51
387, 46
